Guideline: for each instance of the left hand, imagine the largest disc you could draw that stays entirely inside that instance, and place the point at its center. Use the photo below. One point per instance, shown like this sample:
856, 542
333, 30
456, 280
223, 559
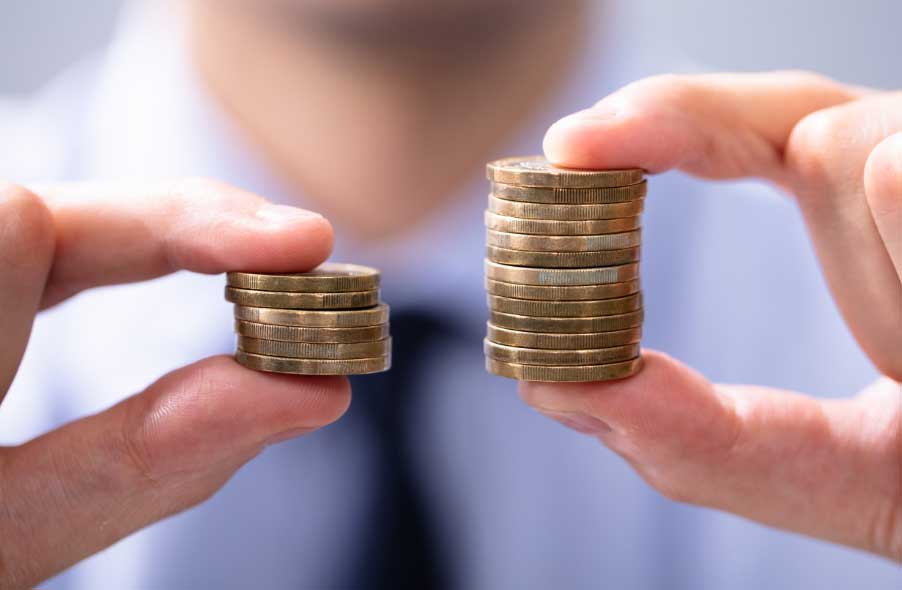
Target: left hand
827, 468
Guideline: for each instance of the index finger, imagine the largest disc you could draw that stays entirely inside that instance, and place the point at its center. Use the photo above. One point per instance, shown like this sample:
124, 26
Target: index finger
712, 125
117, 233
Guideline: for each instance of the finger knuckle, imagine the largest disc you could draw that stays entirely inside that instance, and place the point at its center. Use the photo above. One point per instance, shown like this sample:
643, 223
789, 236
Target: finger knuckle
667, 486
817, 146
30, 219
136, 451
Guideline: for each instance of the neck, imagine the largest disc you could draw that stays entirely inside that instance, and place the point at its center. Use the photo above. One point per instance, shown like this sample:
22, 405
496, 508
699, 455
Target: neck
376, 128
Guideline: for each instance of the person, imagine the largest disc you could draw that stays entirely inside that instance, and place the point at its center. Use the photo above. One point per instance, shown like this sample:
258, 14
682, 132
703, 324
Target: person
381, 115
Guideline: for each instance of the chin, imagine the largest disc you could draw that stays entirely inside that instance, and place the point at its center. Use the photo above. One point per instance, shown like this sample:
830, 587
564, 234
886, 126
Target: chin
354, 11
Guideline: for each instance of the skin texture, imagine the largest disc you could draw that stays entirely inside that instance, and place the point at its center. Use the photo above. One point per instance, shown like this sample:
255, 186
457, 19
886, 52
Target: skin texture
78, 489
829, 469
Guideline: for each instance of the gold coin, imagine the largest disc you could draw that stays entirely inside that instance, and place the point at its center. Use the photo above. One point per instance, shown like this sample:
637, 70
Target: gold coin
348, 318
577, 293
537, 356
315, 350
328, 277
562, 259
606, 372
561, 276
537, 171
570, 196
550, 341
304, 334
567, 325
565, 212
284, 300
551, 227
277, 364
534, 243
565, 309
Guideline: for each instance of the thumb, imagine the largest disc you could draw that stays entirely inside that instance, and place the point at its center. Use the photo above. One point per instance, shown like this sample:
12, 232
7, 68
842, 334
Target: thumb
830, 469
146, 458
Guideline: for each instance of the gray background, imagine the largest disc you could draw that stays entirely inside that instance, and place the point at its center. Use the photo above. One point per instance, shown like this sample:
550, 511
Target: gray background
853, 40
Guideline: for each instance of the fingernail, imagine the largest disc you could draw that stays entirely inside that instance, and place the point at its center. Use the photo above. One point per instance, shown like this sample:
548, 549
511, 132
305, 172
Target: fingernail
287, 435
284, 214
579, 422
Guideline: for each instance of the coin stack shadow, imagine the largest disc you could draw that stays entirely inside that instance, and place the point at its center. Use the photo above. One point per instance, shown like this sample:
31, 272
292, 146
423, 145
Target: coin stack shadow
562, 271
328, 321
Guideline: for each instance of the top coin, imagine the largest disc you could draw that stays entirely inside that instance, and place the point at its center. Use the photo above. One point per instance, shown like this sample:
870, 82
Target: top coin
537, 171
328, 277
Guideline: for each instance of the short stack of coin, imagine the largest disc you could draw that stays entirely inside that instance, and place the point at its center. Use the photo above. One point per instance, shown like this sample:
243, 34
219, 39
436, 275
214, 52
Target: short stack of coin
328, 321
562, 271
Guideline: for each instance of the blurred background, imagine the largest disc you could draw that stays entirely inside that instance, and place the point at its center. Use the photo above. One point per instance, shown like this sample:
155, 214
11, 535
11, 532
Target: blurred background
851, 40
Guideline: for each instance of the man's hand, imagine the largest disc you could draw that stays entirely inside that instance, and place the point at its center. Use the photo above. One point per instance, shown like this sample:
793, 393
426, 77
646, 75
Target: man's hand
830, 469
78, 489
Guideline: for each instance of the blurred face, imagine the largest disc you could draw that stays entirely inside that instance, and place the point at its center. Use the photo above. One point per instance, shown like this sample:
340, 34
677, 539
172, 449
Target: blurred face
405, 17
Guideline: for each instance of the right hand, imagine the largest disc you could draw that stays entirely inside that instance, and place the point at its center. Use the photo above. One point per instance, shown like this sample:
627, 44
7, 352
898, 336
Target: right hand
80, 488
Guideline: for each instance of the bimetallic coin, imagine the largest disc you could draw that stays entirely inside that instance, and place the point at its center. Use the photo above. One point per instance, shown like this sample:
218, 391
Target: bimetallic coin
305, 334
284, 300
537, 171
562, 259
577, 293
328, 277
550, 227
535, 243
277, 364
561, 276
605, 372
538, 356
565, 309
567, 325
347, 318
550, 341
315, 350
565, 212
570, 196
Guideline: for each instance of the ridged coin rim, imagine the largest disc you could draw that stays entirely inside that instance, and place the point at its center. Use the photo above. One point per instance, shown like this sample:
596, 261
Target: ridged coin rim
315, 350
277, 364
570, 196
568, 373
557, 341
551, 227
561, 276
310, 318
325, 278
538, 171
582, 325
565, 309
314, 301
589, 212
311, 334
544, 357
552, 293
563, 259
590, 243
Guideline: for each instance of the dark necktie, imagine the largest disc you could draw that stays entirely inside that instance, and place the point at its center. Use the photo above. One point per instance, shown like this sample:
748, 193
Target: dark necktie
401, 549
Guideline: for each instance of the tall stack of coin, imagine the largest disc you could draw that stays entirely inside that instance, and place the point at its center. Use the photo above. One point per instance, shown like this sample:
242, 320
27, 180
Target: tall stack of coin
328, 321
562, 271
